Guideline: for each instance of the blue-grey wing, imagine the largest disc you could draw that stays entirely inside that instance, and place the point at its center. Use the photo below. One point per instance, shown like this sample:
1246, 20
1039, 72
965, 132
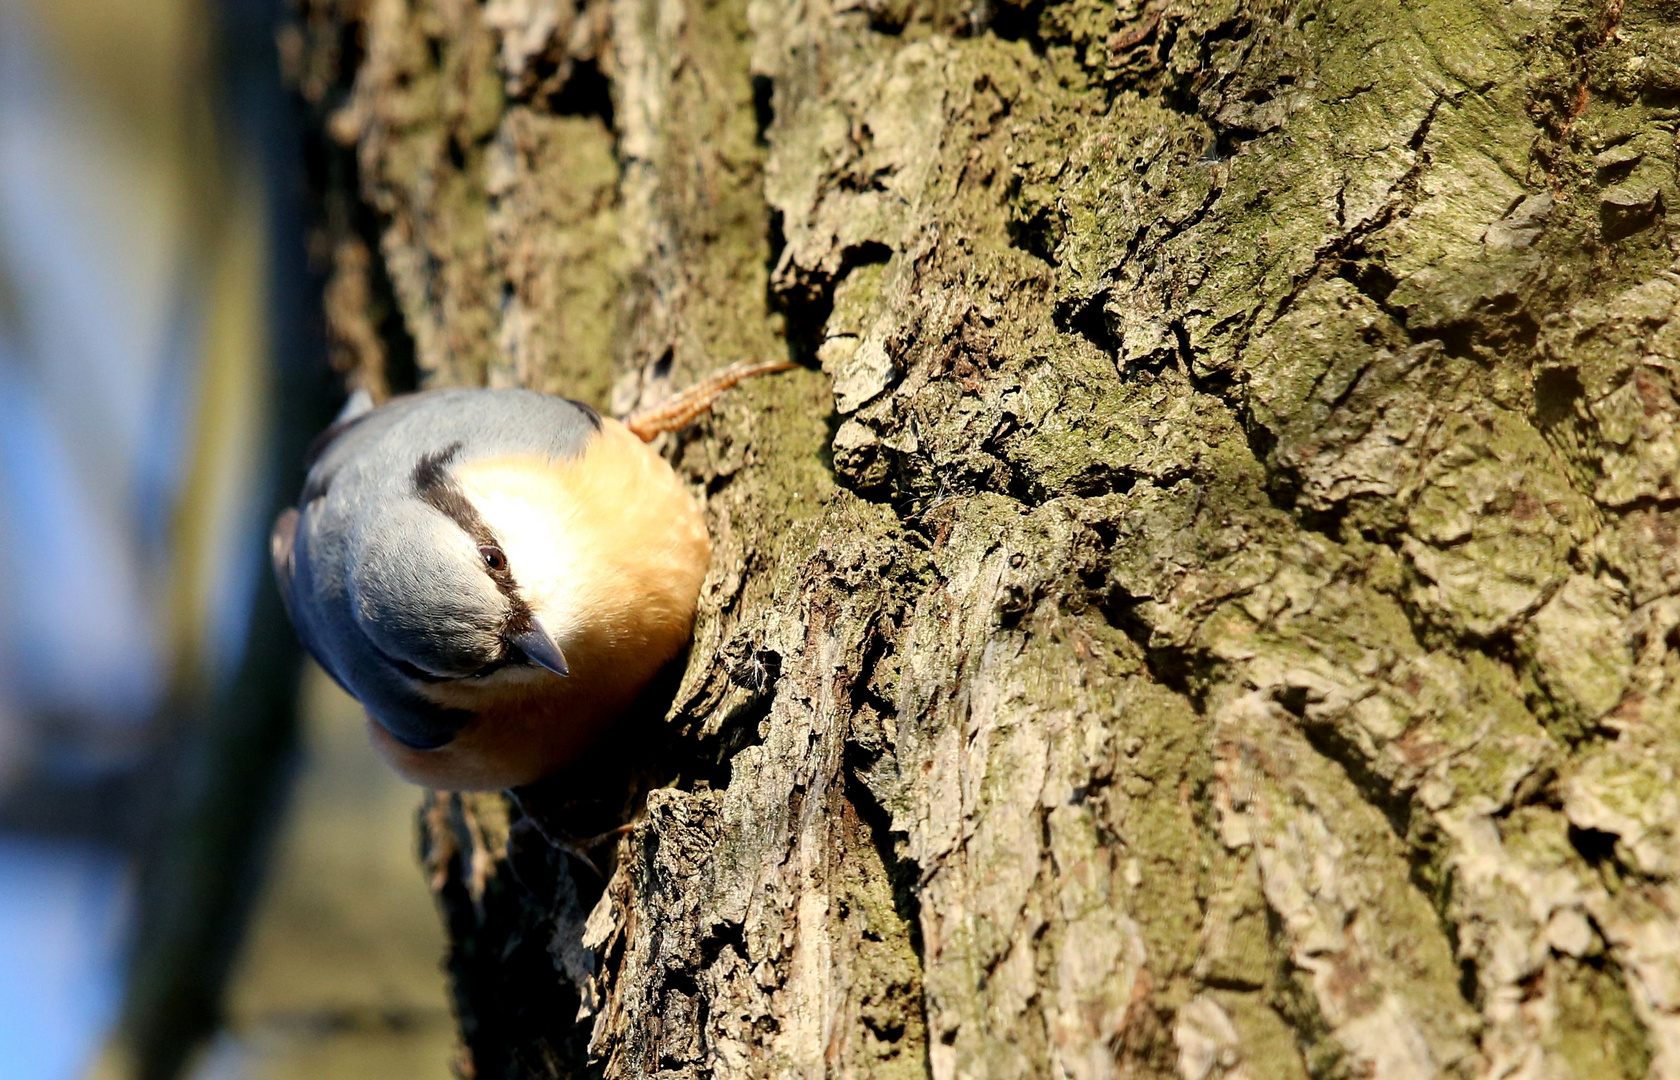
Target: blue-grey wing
285, 551
383, 445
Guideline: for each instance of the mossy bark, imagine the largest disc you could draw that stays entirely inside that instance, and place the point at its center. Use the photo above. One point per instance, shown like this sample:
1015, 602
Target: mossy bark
1208, 603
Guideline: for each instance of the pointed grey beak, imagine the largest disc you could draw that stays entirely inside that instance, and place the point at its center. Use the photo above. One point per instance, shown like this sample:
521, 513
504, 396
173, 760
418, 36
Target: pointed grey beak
536, 644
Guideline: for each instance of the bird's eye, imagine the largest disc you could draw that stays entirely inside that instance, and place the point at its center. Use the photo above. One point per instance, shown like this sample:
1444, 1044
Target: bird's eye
493, 557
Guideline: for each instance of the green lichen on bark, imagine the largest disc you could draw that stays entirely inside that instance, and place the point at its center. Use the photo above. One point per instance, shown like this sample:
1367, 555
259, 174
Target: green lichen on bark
1213, 612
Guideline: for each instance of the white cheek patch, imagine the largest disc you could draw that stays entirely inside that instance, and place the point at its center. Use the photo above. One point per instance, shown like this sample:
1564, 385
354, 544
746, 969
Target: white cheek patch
537, 523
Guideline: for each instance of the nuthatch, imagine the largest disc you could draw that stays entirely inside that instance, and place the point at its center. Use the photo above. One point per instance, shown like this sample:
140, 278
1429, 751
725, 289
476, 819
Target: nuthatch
495, 574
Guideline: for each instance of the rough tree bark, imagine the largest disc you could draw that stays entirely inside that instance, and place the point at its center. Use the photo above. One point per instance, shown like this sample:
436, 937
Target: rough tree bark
1206, 607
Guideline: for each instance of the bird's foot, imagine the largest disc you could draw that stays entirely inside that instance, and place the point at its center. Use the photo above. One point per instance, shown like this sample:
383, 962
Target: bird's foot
680, 409
580, 847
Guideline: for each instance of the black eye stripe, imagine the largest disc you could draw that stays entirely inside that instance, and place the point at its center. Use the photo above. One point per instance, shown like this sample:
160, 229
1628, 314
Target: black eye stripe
434, 485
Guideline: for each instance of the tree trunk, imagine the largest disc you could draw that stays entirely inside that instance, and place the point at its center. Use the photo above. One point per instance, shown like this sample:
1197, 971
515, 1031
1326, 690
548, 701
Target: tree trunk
1206, 607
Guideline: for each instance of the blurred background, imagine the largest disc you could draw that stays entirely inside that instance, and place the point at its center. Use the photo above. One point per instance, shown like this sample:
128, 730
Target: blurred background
204, 872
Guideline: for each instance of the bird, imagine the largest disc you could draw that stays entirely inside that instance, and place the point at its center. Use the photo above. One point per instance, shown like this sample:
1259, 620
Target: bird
494, 574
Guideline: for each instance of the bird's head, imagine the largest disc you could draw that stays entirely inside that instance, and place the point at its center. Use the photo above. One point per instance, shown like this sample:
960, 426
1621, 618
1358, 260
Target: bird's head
437, 592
